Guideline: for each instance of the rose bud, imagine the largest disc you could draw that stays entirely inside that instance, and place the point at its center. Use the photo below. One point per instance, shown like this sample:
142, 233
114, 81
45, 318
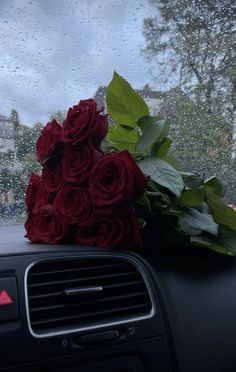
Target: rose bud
49, 142
84, 122
32, 191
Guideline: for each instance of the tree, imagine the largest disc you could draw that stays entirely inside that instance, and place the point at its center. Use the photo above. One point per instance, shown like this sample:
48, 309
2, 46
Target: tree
5, 180
14, 116
27, 138
194, 45
202, 140
59, 116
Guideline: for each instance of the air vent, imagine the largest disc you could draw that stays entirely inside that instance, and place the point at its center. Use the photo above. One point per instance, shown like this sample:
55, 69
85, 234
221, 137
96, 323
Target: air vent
67, 295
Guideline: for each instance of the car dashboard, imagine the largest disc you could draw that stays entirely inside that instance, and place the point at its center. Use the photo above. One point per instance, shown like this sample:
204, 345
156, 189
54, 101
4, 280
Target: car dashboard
70, 308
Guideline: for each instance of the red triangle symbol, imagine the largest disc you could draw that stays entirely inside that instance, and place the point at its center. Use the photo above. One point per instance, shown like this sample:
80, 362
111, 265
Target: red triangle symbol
5, 298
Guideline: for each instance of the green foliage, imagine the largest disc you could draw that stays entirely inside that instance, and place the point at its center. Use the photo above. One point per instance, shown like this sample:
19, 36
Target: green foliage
191, 205
26, 139
14, 117
192, 197
209, 243
194, 43
201, 139
16, 166
192, 180
124, 105
194, 222
216, 185
121, 137
162, 173
223, 214
5, 180
162, 148
153, 130
224, 244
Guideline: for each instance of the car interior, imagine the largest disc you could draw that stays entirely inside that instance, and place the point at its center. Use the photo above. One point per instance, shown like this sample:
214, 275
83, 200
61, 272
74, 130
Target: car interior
78, 308
65, 308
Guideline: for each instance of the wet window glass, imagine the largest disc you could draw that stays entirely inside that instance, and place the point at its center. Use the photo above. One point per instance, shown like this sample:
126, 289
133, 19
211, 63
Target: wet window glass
178, 54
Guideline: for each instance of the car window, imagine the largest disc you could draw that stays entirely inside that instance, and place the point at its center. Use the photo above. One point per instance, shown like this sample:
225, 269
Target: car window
178, 54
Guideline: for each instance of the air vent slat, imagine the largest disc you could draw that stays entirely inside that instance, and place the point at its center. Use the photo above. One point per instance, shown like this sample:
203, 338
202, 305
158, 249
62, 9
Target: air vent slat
95, 301
87, 278
123, 295
77, 269
86, 315
45, 295
119, 286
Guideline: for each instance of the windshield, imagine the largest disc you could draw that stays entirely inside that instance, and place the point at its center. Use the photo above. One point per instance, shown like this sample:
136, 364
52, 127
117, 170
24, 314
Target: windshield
178, 54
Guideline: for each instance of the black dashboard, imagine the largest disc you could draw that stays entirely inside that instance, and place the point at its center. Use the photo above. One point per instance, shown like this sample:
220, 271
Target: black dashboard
69, 308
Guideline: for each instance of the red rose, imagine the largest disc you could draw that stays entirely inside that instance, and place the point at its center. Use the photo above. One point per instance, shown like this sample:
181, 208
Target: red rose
74, 202
36, 195
84, 122
78, 161
43, 198
52, 176
32, 191
109, 230
46, 226
115, 179
49, 142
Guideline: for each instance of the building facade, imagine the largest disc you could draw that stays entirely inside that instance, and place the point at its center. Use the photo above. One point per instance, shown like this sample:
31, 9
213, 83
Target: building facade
7, 135
152, 98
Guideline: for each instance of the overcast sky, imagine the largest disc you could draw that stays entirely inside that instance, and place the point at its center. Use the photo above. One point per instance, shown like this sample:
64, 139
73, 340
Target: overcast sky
55, 52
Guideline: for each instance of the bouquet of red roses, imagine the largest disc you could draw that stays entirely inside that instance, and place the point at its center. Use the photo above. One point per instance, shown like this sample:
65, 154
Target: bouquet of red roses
101, 184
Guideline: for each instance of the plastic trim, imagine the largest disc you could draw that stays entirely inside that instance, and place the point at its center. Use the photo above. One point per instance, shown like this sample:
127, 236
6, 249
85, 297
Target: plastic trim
100, 325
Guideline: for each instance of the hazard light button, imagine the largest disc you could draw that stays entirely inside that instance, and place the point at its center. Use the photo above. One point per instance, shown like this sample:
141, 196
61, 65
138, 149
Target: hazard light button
8, 299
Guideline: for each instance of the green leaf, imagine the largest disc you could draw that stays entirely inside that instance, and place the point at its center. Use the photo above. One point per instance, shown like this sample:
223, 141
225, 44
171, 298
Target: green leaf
124, 105
151, 185
217, 185
206, 242
174, 210
158, 207
227, 238
141, 222
192, 180
106, 146
121, 138
193, 197
146, 121
175, 163
118, 146
162, 173
204, 208
194, 222
119, 133
224, 243
223, 214
163, 150
145, 202
152, 130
